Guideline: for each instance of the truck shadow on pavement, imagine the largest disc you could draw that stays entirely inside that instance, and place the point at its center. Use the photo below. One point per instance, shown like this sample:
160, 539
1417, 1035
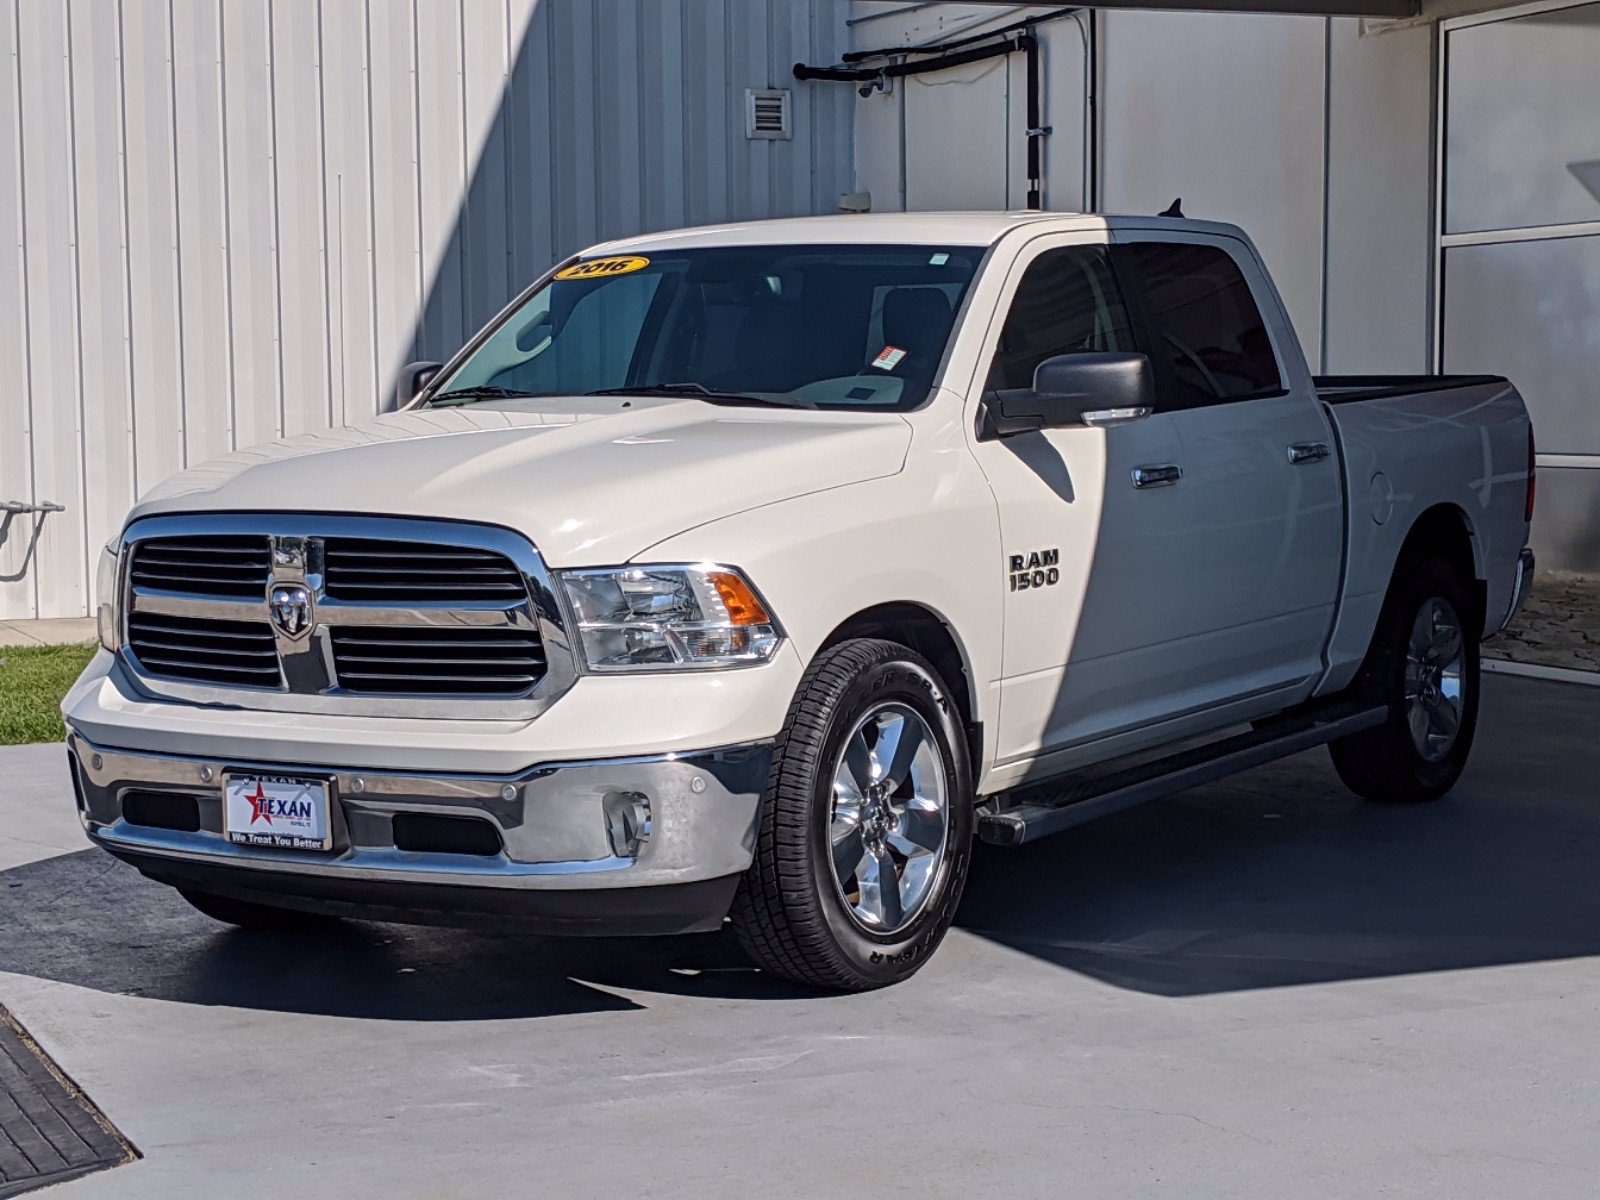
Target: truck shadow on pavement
90, 921
1281, 877
1275, 878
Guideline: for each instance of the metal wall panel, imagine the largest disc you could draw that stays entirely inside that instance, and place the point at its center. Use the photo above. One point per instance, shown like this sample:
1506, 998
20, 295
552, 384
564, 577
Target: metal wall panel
16, 422
222, 221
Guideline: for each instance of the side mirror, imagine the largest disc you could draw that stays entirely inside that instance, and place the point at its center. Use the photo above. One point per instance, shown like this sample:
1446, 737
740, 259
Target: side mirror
1099, 389
409, 383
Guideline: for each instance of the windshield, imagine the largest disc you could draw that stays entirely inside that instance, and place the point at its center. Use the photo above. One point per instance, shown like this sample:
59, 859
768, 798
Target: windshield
814, 326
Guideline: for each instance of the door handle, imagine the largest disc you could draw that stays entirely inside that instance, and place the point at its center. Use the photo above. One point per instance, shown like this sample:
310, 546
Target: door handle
1304, 452
1152, 477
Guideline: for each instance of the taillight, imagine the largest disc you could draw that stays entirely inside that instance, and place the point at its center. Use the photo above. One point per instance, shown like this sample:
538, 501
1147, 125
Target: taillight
1527, 514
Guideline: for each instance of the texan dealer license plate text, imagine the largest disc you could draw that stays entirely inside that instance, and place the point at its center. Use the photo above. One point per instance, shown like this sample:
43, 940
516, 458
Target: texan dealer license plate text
277, 810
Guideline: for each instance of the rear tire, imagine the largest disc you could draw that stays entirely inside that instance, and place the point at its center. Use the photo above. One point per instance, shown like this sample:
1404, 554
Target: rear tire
1424, 664
861, 856
248, 915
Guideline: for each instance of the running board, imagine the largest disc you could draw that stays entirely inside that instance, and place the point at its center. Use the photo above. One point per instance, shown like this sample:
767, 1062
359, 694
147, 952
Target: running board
1076, 799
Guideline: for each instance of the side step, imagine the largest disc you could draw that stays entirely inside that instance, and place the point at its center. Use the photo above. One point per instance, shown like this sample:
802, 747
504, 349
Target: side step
1040, 810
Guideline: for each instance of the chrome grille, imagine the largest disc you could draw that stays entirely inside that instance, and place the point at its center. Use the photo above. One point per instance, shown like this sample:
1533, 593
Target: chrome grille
241, 653
371, 570
484, 662
203, 566
309, 613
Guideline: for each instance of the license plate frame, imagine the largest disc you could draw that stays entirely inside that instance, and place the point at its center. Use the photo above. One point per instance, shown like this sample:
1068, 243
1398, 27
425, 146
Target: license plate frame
300, 805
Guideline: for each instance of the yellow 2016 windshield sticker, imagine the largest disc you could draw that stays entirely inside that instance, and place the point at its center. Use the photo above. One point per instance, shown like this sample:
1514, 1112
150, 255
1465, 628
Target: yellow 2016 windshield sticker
603, 268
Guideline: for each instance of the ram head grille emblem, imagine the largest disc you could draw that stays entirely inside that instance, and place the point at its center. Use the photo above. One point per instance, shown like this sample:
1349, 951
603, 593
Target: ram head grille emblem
289, 605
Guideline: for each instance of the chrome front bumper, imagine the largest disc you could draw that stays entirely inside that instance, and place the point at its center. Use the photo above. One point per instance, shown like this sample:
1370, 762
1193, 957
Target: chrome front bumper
650, 844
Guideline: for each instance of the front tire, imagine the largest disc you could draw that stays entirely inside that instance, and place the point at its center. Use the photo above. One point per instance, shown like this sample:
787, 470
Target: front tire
1424, 664
866, 828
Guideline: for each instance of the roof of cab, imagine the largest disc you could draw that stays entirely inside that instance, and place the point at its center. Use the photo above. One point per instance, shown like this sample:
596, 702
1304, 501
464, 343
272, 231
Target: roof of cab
917, 228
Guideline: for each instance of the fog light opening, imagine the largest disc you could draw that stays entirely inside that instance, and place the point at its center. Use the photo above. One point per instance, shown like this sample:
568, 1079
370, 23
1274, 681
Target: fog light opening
627, 822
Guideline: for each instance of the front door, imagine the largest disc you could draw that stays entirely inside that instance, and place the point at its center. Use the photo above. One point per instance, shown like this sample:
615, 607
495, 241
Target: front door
1146, 562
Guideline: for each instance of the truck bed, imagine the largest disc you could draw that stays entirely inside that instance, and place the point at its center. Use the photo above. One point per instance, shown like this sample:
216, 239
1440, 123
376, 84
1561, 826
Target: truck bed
1416, 442
1345, 389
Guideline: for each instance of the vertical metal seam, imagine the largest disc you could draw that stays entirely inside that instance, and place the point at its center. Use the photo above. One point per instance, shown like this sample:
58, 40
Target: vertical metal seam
464, 183
768, 20
730, 126
343, 415
419, 238
322, 190
31, 446
227, 228
123, 229
904, 183
640, 133
808, 96
508, 184
177, 238
82, 431
1327, 183
1439, 69
372, 213
282, 422
552, 188
686, 155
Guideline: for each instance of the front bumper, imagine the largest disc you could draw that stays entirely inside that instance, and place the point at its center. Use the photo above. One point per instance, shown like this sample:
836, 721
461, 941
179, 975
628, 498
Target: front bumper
651, 844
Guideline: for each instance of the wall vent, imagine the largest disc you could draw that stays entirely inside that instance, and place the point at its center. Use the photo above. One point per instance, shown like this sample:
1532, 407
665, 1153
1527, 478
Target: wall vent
766, 113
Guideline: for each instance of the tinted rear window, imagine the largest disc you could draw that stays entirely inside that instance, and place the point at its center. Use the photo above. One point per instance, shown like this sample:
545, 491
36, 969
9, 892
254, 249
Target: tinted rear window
1210, 344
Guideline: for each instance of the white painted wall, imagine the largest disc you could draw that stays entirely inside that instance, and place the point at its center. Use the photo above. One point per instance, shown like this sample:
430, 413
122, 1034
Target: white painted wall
1313, 134
1226, 111
956, 139
225, 220
1380, 197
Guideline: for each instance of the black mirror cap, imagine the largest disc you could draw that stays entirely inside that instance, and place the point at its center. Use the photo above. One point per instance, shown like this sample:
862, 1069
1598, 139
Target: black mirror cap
1067, 386
408, 384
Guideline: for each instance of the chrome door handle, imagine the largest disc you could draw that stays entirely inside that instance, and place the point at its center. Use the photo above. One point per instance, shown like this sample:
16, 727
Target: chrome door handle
1151, 477
1304, 452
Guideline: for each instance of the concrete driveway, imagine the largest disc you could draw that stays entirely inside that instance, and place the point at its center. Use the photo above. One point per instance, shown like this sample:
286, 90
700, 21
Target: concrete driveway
1263, 988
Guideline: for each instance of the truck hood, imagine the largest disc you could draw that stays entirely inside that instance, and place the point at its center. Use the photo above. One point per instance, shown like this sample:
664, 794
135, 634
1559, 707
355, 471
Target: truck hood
593, 485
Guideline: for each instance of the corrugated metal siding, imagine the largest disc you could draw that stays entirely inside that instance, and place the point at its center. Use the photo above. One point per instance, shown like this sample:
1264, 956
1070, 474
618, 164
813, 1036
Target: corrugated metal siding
226, 220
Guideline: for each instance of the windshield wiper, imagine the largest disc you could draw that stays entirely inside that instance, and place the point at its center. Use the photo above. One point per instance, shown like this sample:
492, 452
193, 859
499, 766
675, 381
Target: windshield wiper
467, 395
700, 391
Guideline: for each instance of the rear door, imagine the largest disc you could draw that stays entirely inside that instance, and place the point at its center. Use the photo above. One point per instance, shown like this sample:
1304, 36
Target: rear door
1259, 571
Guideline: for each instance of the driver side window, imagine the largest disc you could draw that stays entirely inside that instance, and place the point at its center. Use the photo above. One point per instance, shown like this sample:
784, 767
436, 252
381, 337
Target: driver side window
1067, 303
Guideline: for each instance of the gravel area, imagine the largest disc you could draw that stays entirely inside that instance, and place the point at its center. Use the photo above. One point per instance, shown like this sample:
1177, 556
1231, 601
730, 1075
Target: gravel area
1559, 625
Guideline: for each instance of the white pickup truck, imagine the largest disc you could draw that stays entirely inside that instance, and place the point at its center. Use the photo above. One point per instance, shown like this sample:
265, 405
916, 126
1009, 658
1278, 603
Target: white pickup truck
751, 572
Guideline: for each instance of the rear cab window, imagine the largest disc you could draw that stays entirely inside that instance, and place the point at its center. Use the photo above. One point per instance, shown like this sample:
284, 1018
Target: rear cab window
1205, 334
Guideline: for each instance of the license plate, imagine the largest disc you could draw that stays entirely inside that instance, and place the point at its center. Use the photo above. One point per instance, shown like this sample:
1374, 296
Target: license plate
277, 810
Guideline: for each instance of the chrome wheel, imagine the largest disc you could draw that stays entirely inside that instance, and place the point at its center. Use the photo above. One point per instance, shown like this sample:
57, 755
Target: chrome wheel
890, 817
1435, 667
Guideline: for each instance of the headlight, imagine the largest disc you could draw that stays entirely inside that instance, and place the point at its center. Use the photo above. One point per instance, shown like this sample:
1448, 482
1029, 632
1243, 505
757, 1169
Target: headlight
669, 617
107, 595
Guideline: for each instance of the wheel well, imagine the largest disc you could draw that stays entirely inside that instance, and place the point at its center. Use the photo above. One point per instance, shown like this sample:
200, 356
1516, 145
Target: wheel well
1443, 531
925, 632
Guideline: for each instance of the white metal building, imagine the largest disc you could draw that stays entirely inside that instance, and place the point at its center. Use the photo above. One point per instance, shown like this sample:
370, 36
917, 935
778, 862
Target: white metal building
230, 219
226, 220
